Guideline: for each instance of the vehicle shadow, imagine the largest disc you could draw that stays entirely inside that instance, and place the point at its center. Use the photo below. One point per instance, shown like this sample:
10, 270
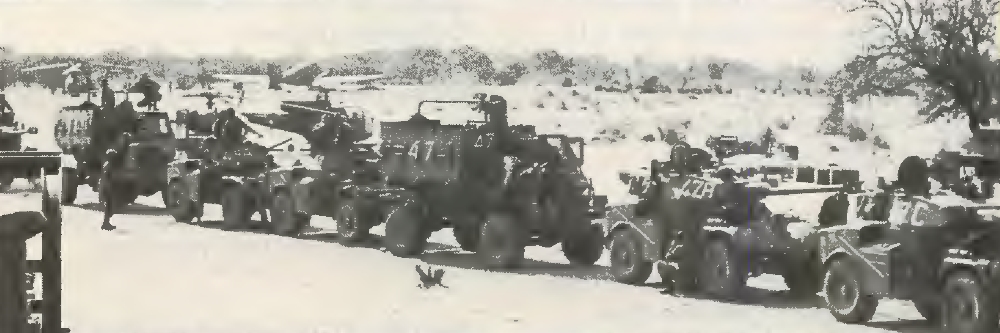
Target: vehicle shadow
255, 227
133, 209
761, 297
438, 254
451, 256
905, 326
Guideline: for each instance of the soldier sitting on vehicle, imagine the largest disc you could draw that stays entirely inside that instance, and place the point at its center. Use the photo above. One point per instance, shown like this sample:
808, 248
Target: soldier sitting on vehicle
731, 197
230, 130
150, 91
6, 112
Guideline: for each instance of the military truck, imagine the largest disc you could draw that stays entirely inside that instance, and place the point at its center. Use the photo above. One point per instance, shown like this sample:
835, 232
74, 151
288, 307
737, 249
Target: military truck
500, 187
937, 249
11, 135
724, 146
147, 158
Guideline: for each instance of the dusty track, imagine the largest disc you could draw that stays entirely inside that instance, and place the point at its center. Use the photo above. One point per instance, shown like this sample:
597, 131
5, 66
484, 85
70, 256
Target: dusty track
155, 275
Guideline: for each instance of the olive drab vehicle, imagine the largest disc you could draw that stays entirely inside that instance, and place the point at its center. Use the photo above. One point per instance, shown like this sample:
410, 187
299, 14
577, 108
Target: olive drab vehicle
146, 159
11, 135
725, 146
208, 170
244, 183
937, 249
499, 187
677, 218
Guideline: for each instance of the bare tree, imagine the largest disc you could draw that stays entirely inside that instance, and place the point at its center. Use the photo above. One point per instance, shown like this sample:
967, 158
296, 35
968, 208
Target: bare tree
944, 45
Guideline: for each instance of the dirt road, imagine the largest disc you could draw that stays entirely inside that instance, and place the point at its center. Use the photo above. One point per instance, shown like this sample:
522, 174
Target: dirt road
155, 275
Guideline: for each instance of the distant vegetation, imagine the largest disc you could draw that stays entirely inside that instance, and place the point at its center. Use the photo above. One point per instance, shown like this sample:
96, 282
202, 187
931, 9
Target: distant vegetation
430, 66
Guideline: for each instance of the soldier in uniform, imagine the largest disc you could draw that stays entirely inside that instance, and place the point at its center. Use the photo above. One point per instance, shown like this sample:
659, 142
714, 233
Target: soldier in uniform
114, 158
731, 197
150, 91
6, 112
107, 96
230, 130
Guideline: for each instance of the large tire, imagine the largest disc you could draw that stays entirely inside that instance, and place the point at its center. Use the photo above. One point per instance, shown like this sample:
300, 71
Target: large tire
6, 179
467, 235
405, 231
585, 247
968, 307
628, 265
501, 242
70, 185
930, 310
350, 226
285, 219
722, 275
235, 207
180, 206
845, 296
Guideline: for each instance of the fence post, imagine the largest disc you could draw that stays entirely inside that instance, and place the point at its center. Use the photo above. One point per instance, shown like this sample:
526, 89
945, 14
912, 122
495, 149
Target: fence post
15, 230
51, 257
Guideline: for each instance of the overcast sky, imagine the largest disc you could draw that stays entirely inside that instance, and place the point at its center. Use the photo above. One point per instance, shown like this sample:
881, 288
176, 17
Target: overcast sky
767, 32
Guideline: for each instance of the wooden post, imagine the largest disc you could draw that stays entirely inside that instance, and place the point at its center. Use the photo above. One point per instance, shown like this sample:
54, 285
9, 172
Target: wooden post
51, 256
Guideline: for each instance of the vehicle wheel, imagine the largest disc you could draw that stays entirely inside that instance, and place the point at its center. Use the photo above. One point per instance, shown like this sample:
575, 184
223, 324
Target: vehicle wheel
235, 207
844, 294
930, 310
285, 219
178, 204
70, 186
627, 263
721, 276
467, 235
405, 233
501, 242
350, 226
6, 179
584, 248
968, 307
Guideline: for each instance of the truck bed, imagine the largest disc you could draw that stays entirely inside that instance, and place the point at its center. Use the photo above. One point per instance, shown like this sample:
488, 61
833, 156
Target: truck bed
24, 162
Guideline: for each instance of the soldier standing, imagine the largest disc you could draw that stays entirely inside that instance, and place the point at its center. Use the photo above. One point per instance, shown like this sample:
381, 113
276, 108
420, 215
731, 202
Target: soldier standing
107, 96
113, 159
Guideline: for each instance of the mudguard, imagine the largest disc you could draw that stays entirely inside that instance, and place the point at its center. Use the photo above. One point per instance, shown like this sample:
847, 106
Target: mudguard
956, 258
842, 242
648, 239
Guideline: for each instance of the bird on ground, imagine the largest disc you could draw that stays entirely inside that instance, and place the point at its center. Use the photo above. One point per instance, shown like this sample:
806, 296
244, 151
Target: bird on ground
430, 278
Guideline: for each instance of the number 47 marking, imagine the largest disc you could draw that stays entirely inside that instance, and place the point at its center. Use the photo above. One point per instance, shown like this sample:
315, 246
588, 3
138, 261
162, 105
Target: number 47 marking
415, 150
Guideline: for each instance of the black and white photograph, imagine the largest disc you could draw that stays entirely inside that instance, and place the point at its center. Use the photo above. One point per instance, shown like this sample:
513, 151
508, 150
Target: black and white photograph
454, 166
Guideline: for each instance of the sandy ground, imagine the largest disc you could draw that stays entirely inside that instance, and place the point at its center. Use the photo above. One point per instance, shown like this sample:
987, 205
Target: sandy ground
155, 275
